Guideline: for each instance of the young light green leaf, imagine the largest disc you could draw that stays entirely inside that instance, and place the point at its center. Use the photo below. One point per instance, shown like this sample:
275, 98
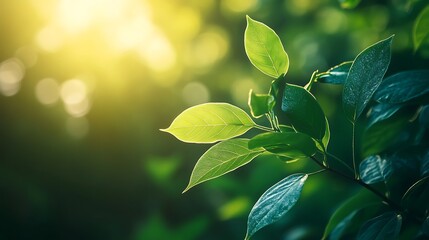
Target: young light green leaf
358, 201
264, 49
327, 136
222, 158
303, 111
385, 226
403, 87
260, 104
275, 202
349, 4
421, 30
380, 112
374, 169
364, 77
336, 74
289, 144
210, 122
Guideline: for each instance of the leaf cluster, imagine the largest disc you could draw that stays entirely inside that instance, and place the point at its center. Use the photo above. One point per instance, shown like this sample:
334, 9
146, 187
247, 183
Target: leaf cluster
394, 143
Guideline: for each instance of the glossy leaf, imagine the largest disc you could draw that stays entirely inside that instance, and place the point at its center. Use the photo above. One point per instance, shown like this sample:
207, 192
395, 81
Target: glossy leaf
260, 104
385, 226
424, 117
380, 112
425, 227
414, 190
264, 49
289, 144
303, 111
403, 87
374, 169
424, 164
222, 158
358, 201
210, 122
421, 30
275, 202
364, 77
349, 4
336, 74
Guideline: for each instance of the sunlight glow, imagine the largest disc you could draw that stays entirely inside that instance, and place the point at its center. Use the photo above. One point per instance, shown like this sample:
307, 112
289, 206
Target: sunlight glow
195, 93
74, 94
11, 73
77, 128
47, 91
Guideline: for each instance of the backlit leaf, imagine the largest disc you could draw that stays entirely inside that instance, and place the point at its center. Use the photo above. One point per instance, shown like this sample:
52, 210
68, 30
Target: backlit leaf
260, 104
275, 202
374, 169
336, 74
289, 144
364, 77
421, 30
264, 49
303, 111
349, 4
222, 158
403, 87
385, 226
210, 122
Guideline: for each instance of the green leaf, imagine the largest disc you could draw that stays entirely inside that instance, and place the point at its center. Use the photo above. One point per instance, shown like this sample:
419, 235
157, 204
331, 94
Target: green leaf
364, 77
425, 227
381, 112
385, 226
358, 201
403, 87
289, 144
336, 74
421, 30
326, 136
374, 169
260, 104
303, 111
210, 122
275, 202
413, 191
222, 158
264, 49
349, 4
424, 164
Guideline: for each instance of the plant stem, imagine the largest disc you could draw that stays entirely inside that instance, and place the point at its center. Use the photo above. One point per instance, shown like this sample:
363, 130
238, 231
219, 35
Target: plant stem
385, 199
353, 151
263, 128
316, 172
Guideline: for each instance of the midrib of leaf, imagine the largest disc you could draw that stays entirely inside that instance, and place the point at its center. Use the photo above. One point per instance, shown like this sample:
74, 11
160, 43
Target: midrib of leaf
223, 164
266, 50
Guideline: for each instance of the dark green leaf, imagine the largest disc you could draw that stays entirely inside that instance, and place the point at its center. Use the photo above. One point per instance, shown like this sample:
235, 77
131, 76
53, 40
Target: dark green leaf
374, 169
421, 30
264, 49
210, 122
380, 112
424, 164
275, 202
403, 87
289, 144
364, 77
425, 227
386, 226
336, 75
222, 158
349, 4
358, 201
424, 117
381, 135
349, 226
260, 104
303, 111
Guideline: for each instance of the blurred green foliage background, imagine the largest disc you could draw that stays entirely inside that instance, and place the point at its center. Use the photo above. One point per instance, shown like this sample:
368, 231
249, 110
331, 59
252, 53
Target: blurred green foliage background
85, 86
